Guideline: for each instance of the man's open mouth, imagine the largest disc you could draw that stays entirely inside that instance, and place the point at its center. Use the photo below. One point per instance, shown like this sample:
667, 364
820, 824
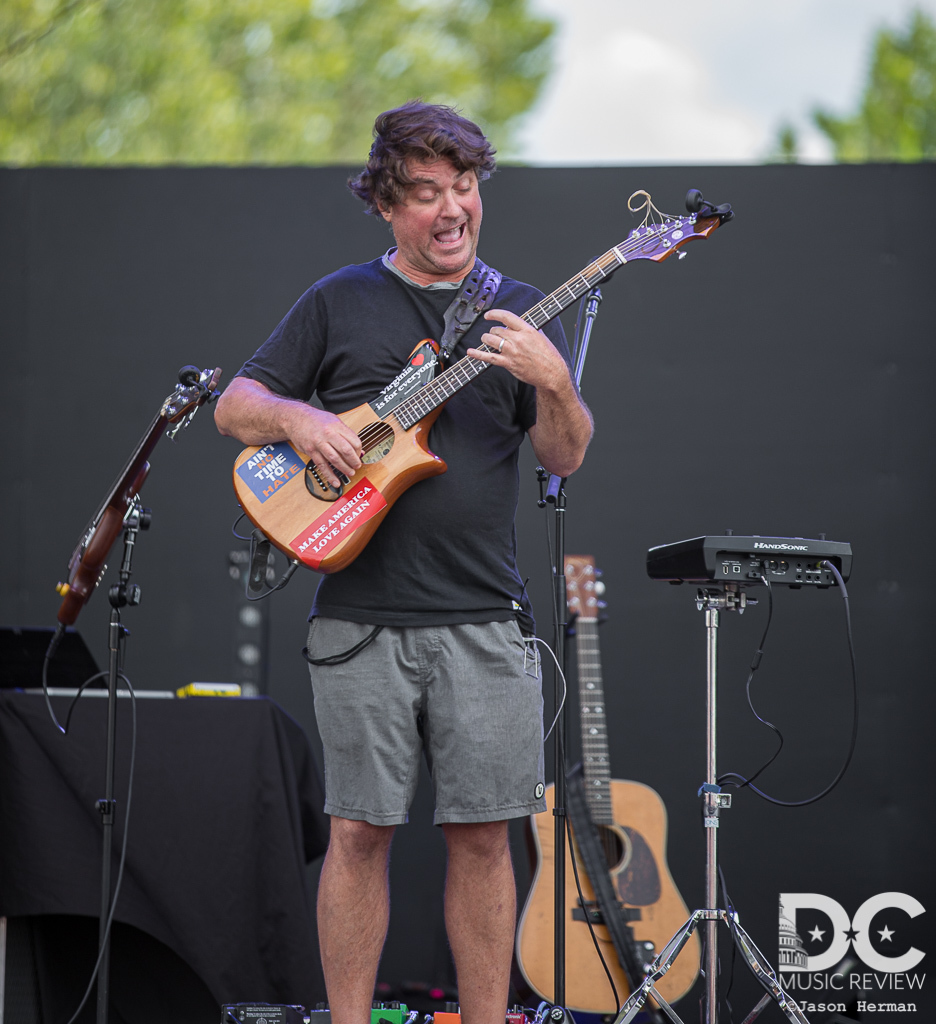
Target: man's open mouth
450, 235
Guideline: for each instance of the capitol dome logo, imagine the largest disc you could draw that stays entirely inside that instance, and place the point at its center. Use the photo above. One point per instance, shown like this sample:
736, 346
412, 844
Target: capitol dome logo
876, 933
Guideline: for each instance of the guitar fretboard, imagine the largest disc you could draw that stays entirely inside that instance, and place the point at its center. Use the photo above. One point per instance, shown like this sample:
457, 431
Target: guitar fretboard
596, 767
554, 303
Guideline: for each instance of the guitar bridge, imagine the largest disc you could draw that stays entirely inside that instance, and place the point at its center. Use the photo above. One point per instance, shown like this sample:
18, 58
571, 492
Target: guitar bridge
595, 915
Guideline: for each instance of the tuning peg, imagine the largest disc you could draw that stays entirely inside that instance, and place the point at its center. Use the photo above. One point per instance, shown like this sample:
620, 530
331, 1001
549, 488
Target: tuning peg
694, 200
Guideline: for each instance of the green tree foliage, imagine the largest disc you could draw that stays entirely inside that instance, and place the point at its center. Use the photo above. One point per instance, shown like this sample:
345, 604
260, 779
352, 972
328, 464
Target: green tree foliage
252, 81
785, 147
897, 116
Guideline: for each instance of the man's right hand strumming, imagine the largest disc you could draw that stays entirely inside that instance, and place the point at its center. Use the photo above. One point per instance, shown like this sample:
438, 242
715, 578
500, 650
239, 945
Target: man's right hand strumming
253, 414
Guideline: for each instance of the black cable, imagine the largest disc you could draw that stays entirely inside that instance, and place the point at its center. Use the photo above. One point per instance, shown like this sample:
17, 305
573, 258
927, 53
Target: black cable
239, 536
81, 690
591, 930
284, 579
343, 656
732, 927
53, 644
755, 664
825, 564
49, 654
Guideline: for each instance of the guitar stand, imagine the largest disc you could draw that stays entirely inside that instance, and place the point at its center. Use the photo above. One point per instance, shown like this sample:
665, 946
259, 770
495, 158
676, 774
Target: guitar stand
712, 600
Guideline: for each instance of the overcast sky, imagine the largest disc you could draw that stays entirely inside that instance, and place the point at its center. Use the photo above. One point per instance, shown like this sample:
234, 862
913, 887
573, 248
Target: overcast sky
700, 81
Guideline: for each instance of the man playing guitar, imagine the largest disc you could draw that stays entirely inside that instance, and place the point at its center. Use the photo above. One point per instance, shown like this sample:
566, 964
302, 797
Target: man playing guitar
420, 646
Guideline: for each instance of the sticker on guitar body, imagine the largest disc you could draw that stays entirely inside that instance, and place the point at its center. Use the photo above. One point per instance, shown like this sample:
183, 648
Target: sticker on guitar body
323, 534
270, 468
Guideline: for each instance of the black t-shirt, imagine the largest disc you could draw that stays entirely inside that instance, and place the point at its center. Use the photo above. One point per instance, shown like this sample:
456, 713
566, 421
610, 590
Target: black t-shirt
446, 551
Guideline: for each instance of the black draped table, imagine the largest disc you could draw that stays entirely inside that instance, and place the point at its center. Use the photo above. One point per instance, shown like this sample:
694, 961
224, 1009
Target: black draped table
226, 813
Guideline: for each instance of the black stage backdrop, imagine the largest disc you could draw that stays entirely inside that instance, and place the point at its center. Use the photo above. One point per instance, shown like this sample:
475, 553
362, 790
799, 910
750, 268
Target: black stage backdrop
775, 382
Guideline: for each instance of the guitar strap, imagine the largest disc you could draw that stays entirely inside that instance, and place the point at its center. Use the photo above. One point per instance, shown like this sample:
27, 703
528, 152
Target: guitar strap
596, 868
472, 299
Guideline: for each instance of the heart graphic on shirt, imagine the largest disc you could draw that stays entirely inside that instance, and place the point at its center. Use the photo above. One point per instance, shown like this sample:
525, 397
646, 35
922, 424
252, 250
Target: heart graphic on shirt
418, 360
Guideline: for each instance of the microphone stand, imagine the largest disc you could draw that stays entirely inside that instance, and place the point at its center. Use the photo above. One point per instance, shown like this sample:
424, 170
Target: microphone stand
121, 510
555, 495
120, 594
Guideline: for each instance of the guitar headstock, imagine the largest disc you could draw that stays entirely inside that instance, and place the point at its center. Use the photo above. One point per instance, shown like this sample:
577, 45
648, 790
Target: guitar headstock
581, 586
658, 242
661, 235
193, 390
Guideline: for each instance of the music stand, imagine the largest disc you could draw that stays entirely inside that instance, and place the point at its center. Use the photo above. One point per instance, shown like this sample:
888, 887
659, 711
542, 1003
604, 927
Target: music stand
712, 600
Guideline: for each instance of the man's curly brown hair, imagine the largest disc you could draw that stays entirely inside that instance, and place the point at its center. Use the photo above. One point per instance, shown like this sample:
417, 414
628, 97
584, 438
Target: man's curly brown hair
420, 132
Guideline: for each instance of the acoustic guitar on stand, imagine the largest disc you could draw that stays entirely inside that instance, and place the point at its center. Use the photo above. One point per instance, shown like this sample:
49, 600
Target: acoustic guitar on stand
631, 825
325, 528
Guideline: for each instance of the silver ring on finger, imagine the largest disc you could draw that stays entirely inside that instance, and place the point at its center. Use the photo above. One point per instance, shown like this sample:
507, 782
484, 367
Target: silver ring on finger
501, 349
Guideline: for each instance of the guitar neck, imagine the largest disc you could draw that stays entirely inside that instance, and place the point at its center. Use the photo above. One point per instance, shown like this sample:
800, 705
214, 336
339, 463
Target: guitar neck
563, 297
656, 242
125, 478
139, 456
452, 380
182, 402
596, 766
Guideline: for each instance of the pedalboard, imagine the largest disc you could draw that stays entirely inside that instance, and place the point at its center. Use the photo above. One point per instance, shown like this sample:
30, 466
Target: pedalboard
381, 1013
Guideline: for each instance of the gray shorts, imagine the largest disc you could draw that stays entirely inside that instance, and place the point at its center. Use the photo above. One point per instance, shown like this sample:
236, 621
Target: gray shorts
469, 696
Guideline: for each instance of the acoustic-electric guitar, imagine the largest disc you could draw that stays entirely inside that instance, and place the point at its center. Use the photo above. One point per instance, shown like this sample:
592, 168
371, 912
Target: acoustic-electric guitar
325, 528
631, 823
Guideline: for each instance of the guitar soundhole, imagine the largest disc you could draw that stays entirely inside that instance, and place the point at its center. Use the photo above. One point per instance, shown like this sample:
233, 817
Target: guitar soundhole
615, 849
377, 439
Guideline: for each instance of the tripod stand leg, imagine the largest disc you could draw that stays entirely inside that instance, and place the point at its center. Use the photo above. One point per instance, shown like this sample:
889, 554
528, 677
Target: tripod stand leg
764, 973
655, 970
664, 1005
758, 1009
633, 1005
